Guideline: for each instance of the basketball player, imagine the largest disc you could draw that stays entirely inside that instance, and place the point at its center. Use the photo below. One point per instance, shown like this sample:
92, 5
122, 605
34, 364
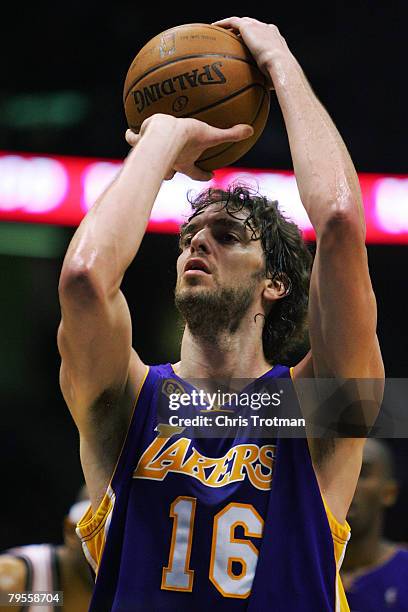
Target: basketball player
375, 570
181, 524
46, 567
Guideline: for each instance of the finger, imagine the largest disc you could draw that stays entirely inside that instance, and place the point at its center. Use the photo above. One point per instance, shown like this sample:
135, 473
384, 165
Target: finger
197, 174
238, 132
131, 138
229, 22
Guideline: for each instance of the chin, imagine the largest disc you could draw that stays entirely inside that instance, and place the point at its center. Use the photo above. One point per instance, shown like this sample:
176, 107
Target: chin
193, 283
191, 290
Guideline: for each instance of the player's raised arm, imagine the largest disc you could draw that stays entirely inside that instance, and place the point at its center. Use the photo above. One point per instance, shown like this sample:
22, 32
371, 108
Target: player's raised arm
100, 372
342, 307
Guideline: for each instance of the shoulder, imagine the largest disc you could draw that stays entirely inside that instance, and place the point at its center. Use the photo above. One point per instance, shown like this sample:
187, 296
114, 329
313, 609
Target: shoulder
142, 375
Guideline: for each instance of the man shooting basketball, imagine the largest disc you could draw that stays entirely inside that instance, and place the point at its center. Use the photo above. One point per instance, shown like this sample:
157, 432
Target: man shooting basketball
183, 523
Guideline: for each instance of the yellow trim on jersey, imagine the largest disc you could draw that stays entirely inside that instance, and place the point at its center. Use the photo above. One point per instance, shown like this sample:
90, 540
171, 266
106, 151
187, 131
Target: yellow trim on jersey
341, 535
340, 531
92, 528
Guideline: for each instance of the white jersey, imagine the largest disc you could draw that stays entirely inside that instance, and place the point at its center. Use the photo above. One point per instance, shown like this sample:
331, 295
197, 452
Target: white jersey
43, 573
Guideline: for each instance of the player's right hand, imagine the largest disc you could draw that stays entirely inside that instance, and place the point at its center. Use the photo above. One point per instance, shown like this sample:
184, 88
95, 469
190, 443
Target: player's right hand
263, 40
191, 138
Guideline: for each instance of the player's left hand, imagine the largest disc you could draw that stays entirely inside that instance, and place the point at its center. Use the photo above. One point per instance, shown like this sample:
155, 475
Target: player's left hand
190, 138
263, 40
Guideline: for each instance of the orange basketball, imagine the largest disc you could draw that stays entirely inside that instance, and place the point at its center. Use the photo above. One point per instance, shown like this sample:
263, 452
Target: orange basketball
201, 71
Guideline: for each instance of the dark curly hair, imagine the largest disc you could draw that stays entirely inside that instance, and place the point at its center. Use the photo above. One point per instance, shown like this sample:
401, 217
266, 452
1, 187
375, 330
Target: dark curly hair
287, 259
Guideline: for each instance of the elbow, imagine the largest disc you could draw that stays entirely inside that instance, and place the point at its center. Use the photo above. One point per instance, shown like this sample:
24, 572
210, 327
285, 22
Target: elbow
78, 281
343, 219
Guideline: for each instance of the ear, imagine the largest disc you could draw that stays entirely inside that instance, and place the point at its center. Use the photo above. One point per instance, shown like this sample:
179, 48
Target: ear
274, 290
389, 494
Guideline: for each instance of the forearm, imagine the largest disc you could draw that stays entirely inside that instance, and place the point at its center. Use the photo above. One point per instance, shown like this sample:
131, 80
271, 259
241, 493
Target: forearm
326, 177
109, 236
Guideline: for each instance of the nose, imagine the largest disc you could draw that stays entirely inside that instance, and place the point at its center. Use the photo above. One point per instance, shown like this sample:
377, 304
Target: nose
200, 242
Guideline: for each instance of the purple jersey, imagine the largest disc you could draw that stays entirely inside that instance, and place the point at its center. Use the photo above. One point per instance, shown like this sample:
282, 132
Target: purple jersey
384, 589
192, 524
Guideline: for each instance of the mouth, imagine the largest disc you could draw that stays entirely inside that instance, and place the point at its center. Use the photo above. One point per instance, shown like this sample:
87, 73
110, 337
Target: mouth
196, 266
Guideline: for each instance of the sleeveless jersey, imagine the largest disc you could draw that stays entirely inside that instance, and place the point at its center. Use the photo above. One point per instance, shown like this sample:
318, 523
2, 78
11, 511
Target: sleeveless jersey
192, 524
383, 589
43, 571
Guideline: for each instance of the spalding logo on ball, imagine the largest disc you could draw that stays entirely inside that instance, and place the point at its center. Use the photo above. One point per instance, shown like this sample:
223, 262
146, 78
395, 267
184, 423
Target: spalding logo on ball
200, 71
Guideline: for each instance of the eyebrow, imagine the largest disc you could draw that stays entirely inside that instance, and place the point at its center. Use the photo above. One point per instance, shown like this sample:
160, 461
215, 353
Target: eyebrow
221, 222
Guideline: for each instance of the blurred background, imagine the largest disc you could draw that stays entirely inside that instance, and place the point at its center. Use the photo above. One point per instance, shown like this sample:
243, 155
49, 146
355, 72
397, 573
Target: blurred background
61, 94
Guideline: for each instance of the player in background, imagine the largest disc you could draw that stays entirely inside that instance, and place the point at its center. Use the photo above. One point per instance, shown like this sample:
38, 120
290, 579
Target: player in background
375, 570
48, 567
174, 535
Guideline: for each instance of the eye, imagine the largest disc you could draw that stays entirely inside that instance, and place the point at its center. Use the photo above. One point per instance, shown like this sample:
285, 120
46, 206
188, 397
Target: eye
185, 241
227, 237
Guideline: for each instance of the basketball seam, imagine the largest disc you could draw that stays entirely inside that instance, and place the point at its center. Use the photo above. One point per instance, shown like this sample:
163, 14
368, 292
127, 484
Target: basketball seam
231, 144
184, 57
217, 102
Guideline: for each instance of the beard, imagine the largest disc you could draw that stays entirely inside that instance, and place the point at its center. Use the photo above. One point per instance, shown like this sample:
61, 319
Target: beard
210, 313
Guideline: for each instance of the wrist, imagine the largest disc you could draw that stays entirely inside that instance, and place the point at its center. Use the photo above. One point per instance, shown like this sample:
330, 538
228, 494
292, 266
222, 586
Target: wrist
278, 63
166, 128
162, 138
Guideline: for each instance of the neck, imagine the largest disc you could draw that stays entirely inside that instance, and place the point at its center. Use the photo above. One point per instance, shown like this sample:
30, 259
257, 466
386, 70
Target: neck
228, 355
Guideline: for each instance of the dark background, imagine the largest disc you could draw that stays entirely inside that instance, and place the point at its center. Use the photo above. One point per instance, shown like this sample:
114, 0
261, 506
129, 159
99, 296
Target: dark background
61, 93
